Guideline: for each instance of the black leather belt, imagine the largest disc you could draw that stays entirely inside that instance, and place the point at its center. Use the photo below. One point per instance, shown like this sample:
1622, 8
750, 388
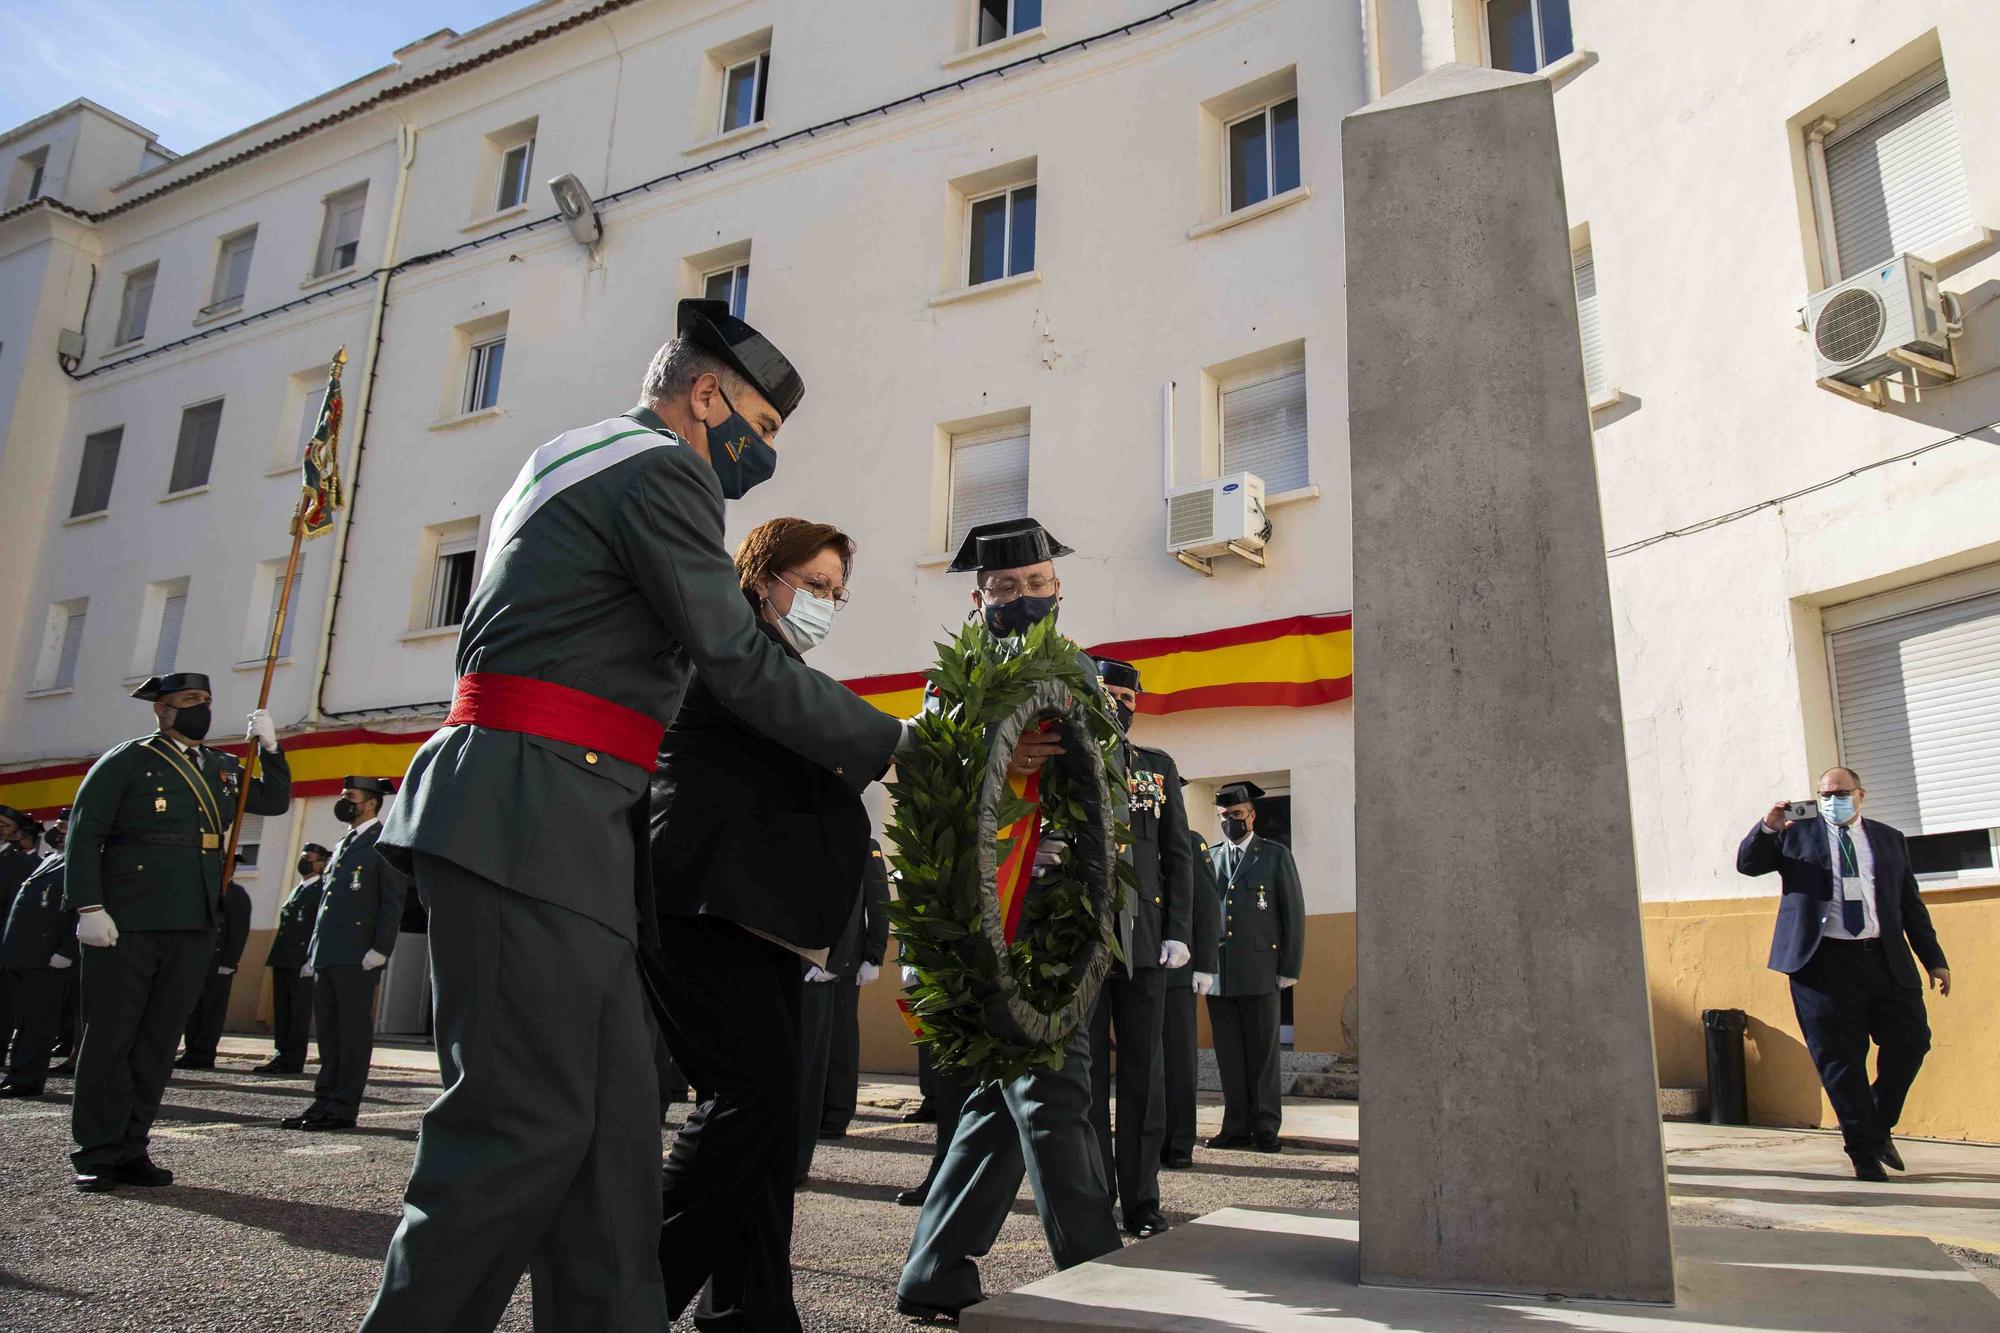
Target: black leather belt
1851, 944
204, 841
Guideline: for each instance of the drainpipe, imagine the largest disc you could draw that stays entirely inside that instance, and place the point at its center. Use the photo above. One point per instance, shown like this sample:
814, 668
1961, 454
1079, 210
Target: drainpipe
406, 145
1822, 200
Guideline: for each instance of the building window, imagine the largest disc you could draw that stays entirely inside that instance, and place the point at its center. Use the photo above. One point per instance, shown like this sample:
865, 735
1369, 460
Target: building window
1262, 418
1595, 380
136, 303
249, 840
743, 87
232, 272
998, 19
989, 478
1527, 36
451, 577
1895, 179
1264, 153
194, 453
100, 465
271, 578
729, 284
482, 373
1000, 235
515, 165
1914, 675
26, 184
340, 231
167, 642
61, 644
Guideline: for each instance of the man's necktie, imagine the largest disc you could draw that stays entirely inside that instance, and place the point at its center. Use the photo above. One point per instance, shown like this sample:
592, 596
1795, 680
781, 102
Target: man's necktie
1851, 913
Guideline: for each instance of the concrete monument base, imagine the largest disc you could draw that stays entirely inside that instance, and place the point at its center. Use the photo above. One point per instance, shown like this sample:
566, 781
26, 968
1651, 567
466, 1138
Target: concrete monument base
1281, 1269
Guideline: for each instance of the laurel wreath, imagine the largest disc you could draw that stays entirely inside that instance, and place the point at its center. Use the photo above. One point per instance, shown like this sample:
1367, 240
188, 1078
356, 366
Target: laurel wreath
983, 1005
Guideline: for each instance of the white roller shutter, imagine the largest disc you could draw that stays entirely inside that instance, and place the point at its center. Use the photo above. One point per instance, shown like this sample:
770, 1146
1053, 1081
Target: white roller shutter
168, 645
1896, 177
1586, 318
1919, 711
989, 479
1264, 429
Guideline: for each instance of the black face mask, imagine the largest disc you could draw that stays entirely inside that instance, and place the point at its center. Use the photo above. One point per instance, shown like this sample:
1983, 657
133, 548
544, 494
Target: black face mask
1236, 829
1125, 713
1020, 615
192, 721
740, 456
56, 838
345, 810
306, 870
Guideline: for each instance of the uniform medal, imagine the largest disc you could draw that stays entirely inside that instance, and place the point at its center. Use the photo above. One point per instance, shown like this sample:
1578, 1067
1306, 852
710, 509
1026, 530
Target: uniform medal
1262, 905
159, 805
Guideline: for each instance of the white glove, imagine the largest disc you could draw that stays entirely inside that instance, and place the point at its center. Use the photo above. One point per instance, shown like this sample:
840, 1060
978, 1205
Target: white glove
261, 726
1173, 954
1286, 983
97, 929
372, 960
1049, 854
1204, 982
306, 970
868, 973
909, 975
817, 973
58, 962
225, 971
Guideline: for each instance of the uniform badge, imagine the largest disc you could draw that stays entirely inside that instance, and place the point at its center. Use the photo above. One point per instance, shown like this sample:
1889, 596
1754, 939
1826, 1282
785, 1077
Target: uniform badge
159, 805
1262, 905
1148, 791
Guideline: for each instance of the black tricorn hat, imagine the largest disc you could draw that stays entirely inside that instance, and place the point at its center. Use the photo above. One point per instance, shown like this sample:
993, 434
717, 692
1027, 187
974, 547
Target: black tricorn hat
1009, 544
753, 356
171, 683
1237, 793
315, 849
9, 812
380, 786
62, 815
1114, 672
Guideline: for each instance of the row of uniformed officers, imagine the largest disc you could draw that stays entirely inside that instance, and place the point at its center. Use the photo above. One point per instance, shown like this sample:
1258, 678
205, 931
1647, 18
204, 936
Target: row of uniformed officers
134, 898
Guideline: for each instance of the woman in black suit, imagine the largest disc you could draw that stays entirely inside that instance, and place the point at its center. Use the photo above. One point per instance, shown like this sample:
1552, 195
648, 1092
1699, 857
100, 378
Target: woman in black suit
758, 855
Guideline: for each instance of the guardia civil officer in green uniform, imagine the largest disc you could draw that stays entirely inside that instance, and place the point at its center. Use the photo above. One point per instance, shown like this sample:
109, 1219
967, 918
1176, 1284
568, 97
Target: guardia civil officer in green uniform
211, 1009
1179, 1040
1134, 999
360, 912
38, 947
1040, 1122
291, 976
1262, 948
17, 862
524, 819
144, 874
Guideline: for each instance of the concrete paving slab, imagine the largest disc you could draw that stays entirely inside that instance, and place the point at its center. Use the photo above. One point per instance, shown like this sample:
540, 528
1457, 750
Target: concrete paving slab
1283, 1269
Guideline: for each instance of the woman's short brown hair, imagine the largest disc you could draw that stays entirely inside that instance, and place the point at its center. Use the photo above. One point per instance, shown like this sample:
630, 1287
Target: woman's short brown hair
782, 543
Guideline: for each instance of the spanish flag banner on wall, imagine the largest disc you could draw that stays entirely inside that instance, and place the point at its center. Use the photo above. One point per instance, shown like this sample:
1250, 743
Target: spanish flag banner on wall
1297, 662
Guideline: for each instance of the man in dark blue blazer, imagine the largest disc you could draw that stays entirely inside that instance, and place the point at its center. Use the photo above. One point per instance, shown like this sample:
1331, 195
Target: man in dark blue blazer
1847, 920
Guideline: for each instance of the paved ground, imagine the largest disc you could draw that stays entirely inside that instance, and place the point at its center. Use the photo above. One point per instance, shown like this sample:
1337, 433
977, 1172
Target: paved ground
273, 1229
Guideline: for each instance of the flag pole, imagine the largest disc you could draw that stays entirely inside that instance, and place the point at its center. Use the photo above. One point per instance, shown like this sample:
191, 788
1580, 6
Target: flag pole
277, 636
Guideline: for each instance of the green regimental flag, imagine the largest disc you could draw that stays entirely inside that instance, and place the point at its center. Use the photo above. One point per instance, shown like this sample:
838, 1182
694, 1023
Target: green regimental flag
320, 477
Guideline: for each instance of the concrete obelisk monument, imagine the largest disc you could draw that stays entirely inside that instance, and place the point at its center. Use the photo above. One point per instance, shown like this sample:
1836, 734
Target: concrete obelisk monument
1509, 1107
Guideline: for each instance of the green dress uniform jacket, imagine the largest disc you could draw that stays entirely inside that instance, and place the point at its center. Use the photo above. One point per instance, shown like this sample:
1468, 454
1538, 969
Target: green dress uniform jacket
618, 585
1164, 910
38, 927
1263, 918
361, 907
295, 924
147, 830
15, 867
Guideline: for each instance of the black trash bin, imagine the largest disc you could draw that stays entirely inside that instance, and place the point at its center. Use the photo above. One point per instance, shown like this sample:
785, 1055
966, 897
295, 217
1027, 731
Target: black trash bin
1728, 1090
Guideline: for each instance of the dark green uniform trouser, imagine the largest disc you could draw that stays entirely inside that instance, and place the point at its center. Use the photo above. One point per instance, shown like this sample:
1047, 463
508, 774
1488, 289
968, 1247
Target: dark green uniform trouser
38, 997
1179, 1038
291, 1015
817, 1006
543, 1152
843, 1057
344, 1011
1041, 1123
137, 995
1135, 1007
1246, 1055
209, 1016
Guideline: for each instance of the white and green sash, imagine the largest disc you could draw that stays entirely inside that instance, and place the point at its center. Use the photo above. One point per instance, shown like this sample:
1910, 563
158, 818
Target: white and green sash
573, 456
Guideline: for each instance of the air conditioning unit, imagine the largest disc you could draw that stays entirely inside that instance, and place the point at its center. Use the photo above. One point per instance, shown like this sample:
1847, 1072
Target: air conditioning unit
1880, 323
1222, 516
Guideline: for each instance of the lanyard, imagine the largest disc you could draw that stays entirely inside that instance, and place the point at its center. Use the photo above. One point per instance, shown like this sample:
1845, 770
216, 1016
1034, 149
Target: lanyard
197, 782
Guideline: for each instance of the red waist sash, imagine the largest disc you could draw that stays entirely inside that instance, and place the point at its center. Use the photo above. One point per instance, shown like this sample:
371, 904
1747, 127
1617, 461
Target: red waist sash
556, 713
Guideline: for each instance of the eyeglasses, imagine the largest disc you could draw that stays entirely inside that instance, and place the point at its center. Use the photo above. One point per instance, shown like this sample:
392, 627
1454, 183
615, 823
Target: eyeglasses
1840, 791
818, 587
1006, 590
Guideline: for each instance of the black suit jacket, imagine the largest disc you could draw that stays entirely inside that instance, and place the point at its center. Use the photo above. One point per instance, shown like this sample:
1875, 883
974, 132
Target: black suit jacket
1804, 864
748, 830
866, 938
235, 932
1165, 906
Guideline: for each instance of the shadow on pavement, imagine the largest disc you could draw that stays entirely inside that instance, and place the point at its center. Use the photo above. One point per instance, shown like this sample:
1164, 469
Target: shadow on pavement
330, 1228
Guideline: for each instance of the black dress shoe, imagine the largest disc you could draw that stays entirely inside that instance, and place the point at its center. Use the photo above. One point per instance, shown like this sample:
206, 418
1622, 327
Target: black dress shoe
141, 1171
1890, 1157
1267, 1143
931, 1314
923, 1113
35, 1090
1177, 1161
94, 1182
193, 1062
66, 1069
278, 1067
828, 1133
1152, 1224
321, 1123
1867, 1168
296, 1121
1230, 1141
913, 1198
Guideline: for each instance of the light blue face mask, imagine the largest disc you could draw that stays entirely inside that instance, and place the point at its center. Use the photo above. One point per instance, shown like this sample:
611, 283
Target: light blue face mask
1836, 809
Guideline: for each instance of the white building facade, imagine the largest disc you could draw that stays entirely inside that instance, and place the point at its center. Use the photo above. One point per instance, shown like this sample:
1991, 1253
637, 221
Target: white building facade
1062, 289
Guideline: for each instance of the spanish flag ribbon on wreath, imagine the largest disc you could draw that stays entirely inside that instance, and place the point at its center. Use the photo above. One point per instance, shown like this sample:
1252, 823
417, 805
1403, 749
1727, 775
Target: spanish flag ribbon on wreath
320, 478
